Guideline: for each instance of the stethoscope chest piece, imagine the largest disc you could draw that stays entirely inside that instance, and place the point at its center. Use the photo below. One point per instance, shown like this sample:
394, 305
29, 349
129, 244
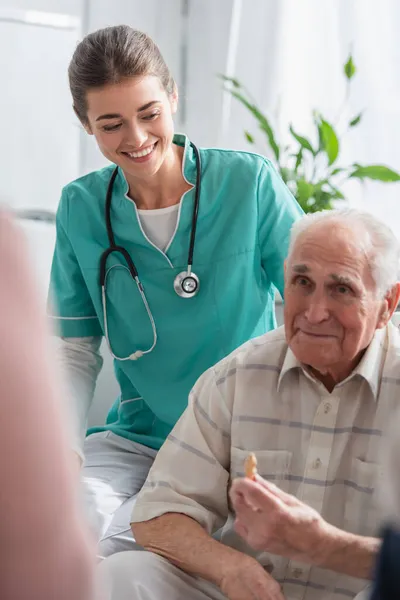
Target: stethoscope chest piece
186, 284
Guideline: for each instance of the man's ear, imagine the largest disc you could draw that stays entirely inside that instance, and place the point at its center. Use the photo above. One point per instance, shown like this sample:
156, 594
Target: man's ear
389, 305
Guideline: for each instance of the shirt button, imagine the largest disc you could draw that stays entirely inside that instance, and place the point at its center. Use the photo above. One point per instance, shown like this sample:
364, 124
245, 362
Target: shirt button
297, 573
317, 463
327, 407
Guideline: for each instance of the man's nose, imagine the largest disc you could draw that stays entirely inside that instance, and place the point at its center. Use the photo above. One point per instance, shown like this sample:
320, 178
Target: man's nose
317, 310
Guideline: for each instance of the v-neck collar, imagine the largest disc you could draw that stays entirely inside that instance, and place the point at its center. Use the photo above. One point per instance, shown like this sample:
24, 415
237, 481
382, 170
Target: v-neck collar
120, 196
188, 167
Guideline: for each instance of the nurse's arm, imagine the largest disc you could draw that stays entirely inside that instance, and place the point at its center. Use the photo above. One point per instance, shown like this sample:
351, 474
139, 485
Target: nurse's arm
74, 320
81, 362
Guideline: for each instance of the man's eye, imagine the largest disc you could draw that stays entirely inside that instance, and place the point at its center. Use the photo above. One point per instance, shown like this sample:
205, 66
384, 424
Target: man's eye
302, 281
343, 290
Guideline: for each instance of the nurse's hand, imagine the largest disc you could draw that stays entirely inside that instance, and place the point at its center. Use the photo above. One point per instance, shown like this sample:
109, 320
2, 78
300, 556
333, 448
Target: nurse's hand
249, 581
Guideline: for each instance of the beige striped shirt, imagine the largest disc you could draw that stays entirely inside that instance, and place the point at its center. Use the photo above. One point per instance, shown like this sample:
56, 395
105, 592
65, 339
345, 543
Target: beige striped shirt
322, 447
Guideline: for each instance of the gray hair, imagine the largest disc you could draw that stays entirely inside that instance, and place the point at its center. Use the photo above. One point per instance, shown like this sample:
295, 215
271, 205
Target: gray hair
384, 251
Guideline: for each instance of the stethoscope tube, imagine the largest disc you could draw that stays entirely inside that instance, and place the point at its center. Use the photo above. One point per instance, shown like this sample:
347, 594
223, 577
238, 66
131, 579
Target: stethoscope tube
186, 283
195, 207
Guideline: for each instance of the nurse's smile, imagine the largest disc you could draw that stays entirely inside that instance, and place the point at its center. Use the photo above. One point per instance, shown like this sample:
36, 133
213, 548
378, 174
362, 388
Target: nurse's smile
140, 156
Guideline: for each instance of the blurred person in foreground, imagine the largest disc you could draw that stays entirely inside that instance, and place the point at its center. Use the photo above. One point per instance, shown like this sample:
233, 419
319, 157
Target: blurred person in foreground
45, 552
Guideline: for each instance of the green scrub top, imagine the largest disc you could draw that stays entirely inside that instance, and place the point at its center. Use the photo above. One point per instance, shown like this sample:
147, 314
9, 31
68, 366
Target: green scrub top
244, 220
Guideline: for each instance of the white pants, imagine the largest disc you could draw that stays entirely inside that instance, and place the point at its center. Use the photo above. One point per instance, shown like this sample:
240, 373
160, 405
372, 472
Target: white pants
113, 473
146, 576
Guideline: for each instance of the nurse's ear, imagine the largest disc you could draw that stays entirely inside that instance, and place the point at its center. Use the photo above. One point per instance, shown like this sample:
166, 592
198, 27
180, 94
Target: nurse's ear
84, 123
173, 99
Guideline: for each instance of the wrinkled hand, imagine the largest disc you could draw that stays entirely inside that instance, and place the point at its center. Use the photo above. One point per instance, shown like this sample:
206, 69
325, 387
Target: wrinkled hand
249, 581
274, 521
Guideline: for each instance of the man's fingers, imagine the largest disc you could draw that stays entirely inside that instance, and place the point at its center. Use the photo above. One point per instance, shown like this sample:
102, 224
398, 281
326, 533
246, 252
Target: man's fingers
255, 495
274, 489
247, 513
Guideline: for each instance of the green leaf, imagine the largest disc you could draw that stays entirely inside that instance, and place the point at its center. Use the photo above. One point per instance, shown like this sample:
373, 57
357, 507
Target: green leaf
356, 120
231, 80
337, 194
337, 170
378, 172
249, 137
305, 190
286, 174
323, 202
299, 158
262, 121
304, 142
350, 68
329, 140
317, 120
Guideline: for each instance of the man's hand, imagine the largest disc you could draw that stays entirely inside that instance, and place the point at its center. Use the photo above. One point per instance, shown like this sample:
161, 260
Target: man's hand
274, 521
249, 581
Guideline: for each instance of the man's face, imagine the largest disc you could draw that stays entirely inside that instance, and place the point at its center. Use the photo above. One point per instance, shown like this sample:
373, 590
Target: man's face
331, 306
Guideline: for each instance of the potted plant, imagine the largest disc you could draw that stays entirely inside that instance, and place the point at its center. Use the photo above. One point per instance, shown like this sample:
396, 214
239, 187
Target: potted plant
312, 170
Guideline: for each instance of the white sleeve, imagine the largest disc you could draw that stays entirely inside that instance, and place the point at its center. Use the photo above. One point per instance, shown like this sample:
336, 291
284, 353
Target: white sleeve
81, 363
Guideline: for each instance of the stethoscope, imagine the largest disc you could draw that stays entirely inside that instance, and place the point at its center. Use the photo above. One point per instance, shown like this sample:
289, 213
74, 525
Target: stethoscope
186, 283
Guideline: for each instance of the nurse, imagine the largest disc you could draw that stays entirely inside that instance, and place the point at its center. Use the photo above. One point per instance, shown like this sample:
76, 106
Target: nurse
198, 239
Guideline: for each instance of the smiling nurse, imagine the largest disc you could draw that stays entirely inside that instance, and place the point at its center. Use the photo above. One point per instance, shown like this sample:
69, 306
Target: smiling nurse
172, 253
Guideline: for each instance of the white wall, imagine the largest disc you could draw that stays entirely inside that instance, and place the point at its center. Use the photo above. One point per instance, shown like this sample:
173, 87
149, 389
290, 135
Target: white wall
40, 130
68, 7
228, 34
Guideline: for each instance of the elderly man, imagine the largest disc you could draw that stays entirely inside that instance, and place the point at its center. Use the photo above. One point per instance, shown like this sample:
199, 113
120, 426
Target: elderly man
311, 401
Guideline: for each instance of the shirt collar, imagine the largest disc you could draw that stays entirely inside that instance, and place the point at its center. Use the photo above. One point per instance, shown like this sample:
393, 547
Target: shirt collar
189, 159
369, 368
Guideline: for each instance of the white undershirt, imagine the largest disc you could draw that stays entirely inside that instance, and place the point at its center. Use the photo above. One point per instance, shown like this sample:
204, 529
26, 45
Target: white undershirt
159, 224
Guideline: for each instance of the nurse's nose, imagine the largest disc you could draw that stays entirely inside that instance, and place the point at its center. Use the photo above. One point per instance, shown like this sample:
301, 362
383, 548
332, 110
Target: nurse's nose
137, 136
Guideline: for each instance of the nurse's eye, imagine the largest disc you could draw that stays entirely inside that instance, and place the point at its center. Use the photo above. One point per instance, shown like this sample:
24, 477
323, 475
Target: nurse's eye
112, 127
151, 117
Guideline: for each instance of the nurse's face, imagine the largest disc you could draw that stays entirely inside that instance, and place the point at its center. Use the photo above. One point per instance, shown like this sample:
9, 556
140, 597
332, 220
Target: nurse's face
132, 123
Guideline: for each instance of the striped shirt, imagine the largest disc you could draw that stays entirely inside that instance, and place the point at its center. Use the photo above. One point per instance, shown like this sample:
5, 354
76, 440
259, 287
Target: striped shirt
319, 446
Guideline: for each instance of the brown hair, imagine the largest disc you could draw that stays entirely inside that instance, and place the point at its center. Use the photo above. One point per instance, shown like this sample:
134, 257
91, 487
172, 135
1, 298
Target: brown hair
110, 55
